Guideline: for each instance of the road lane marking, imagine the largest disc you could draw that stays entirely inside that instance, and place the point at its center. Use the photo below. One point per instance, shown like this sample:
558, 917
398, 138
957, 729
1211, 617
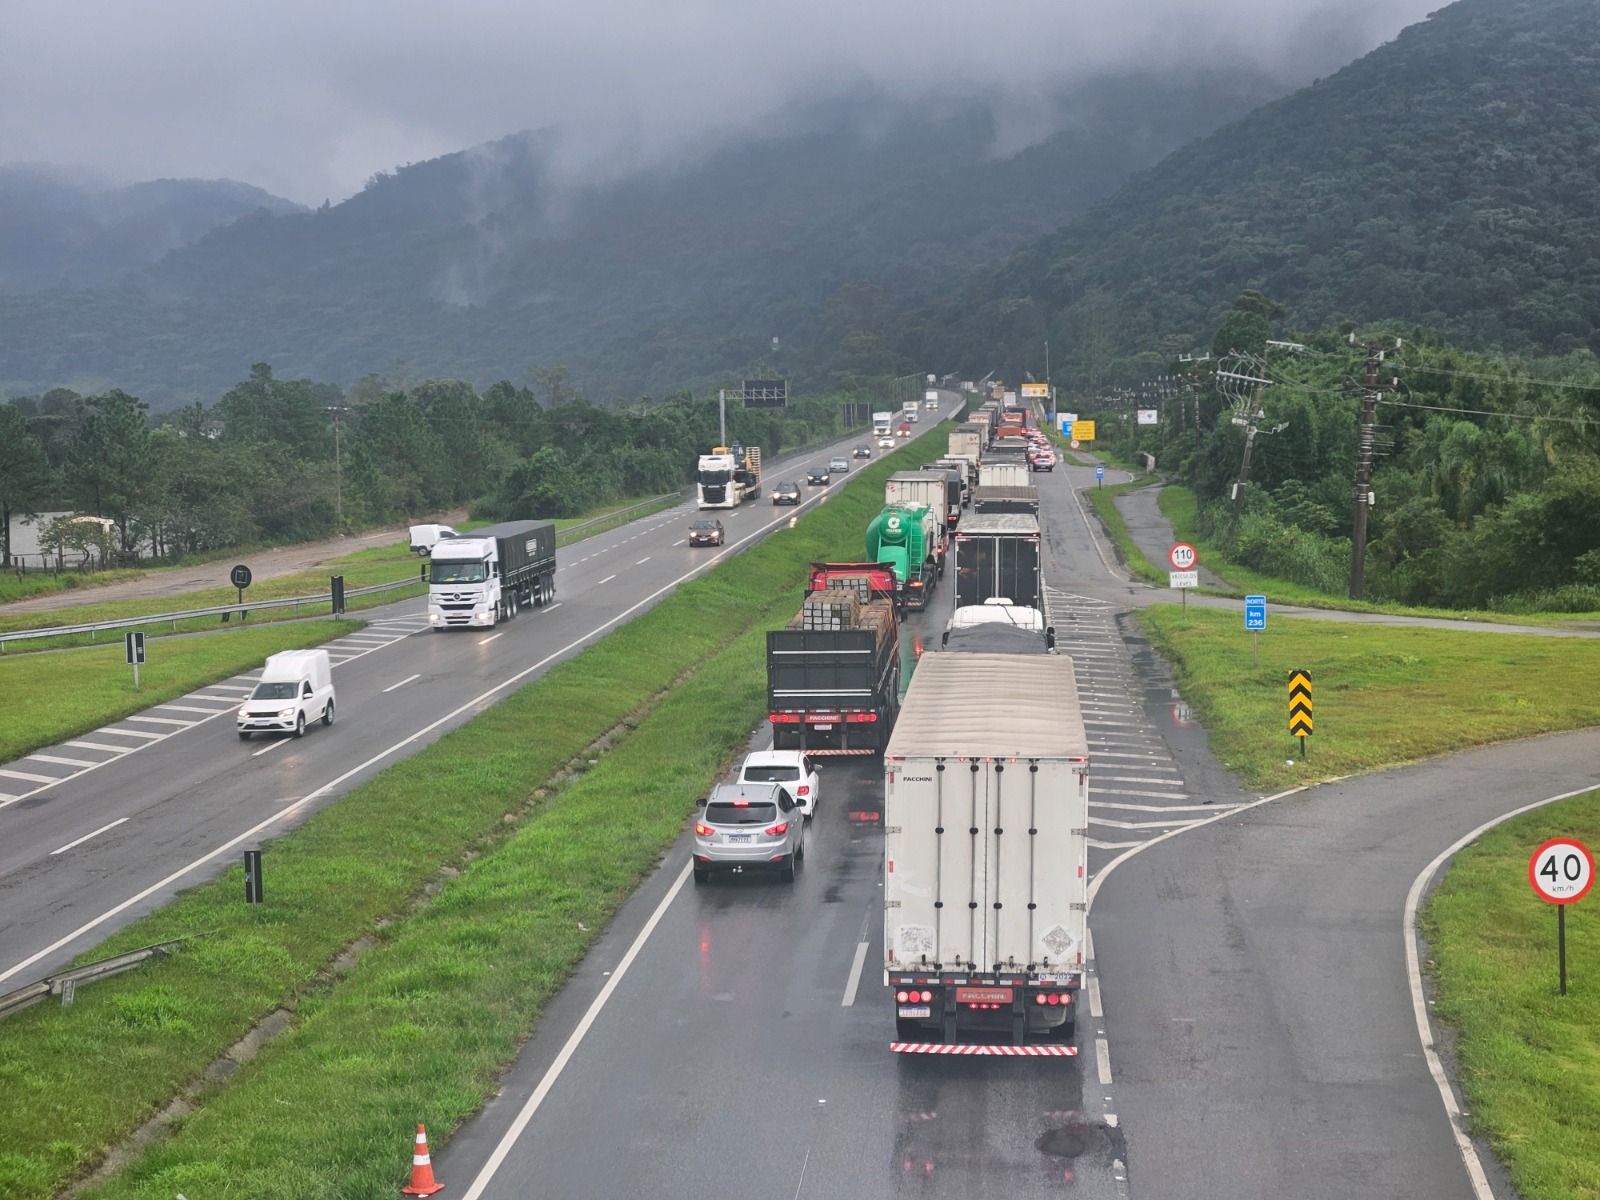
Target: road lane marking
1102, 1057
164, 720
65, 762
99, 746
210, 712
607, 579
1419, 1001
491, 637
503, 1148
138, 733
31, 778
403, 682
854, 981
87, 836
270, 748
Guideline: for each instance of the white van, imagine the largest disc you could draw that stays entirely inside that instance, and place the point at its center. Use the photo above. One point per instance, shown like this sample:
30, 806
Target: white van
296, 688
425, 537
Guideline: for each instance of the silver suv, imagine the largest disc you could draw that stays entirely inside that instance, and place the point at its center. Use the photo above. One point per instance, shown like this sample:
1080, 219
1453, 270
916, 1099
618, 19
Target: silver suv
756, 825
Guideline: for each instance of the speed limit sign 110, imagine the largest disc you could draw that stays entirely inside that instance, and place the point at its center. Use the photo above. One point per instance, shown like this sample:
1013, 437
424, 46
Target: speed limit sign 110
1182, 556
1561, 870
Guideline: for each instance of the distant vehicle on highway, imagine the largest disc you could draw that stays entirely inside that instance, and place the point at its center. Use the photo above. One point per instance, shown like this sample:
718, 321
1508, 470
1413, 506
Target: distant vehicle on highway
791, 768
886, 442
786, 493
707, 531
296, 688
862, 452
749, 826
425, 537
818, 477
839, 464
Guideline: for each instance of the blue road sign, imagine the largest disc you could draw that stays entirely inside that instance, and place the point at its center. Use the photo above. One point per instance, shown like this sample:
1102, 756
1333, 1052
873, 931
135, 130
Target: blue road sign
1099, 472
1255, 612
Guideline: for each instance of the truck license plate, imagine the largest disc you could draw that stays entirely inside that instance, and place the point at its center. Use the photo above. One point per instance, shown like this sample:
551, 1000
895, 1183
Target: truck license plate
916, 1010
823, 725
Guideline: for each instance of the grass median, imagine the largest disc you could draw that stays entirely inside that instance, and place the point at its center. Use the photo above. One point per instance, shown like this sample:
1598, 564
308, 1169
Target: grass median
1529, 1057
1383, 694
75, 1081
48, 697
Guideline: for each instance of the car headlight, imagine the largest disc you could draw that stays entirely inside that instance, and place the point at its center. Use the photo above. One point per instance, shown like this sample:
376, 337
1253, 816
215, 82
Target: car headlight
286, 712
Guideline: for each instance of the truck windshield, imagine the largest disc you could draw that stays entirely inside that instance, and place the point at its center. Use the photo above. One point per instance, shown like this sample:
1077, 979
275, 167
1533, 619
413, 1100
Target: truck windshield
275, 691
715, 477
446, 571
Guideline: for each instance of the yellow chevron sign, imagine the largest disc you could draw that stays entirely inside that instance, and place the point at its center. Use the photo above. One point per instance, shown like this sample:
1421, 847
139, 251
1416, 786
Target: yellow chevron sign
1299, 703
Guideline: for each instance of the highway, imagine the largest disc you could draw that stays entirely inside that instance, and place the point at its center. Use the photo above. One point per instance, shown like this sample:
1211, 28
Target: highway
108, 826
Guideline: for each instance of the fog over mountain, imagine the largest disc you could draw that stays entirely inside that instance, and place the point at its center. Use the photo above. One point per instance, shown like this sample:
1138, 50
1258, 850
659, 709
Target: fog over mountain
310, 100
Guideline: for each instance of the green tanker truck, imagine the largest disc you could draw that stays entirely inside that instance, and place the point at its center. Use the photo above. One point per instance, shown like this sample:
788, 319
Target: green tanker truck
906, 535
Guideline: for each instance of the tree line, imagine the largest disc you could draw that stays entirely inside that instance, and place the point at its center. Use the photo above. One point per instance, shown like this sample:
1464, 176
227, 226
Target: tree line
1486, 481
279, 461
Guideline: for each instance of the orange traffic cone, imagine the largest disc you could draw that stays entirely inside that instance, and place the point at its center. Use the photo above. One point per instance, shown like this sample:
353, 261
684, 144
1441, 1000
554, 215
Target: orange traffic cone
422, 1183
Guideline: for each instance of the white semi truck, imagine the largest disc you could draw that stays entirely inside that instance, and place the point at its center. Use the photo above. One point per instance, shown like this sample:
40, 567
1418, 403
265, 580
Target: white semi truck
488, 576
728, 476
882, 424
986, 818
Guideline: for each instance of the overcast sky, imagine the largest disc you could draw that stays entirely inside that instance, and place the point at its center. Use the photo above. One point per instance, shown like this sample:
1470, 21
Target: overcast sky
308, 98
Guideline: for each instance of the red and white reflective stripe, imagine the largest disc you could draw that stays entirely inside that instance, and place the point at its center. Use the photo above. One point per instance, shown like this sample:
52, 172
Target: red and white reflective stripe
420, 1158
1002, 1051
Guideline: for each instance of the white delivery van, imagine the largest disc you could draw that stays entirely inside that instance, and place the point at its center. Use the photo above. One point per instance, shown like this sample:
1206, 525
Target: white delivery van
425, 537
296, 689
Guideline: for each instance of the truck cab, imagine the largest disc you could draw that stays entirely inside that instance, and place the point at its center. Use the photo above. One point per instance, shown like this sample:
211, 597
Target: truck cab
464, 583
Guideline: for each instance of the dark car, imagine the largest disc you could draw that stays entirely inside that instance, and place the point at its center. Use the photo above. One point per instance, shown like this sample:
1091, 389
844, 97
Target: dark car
786, 493
862, 451
707, 531
818, 477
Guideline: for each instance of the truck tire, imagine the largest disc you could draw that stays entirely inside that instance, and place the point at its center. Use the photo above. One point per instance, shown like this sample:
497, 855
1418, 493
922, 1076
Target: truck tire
327, 713
299, 724
511, 605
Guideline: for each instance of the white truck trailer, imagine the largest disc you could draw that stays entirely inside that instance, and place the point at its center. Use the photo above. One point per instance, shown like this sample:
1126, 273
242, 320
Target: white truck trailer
986, 818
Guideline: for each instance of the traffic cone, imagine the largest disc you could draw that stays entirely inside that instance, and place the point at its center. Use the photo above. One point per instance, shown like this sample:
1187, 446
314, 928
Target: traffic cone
422, 1183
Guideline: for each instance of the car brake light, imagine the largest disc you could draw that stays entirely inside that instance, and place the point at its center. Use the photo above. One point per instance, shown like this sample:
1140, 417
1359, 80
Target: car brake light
741, 804
778, 830
703, 829
804, 790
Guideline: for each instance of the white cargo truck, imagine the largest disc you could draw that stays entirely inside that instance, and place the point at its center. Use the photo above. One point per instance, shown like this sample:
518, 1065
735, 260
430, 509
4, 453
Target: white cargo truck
986, 818
1004, 474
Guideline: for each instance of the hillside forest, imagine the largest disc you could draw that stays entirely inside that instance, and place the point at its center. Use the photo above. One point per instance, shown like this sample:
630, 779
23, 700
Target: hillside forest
279, 461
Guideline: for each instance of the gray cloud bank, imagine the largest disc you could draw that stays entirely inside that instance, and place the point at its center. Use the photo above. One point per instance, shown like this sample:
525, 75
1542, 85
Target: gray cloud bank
308, 99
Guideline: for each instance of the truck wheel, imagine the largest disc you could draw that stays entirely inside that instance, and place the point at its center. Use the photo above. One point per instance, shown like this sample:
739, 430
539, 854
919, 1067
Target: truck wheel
299, 724
511, 603
327, 714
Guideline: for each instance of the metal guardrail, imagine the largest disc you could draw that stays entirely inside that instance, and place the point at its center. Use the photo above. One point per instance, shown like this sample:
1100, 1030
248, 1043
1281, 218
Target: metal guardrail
295, 602
65, 983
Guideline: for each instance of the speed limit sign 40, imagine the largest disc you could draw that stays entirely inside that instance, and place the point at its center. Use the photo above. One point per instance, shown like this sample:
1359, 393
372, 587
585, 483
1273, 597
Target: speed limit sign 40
1561, 870
1182, 556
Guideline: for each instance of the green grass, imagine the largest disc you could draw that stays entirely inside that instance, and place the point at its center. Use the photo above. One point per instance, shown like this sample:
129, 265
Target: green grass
39, 582
1529, 1058
1383, 694
46, 698
73, 1081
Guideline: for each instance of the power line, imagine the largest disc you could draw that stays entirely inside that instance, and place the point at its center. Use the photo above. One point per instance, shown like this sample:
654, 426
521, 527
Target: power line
1483, 412
1527, 380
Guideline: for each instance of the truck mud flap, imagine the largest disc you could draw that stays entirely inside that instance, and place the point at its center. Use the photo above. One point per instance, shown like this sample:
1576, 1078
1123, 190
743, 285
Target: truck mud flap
992, 1051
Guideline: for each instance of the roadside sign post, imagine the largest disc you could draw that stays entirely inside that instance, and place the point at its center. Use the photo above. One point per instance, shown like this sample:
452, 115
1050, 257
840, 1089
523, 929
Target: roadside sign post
1255, 620
133, 644
1184, 560
240, 578
1100, 475
1300, 709
1561, 872
336, 591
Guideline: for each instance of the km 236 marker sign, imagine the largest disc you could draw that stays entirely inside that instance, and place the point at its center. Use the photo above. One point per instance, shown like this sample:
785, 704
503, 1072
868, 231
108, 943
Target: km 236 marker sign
1300, 706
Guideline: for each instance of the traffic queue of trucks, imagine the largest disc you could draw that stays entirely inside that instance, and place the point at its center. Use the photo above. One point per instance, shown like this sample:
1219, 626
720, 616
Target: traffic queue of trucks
985, 760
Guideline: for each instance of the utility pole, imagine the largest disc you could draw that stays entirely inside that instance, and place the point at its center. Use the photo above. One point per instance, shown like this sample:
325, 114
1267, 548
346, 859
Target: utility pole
1362, 492
1247, 412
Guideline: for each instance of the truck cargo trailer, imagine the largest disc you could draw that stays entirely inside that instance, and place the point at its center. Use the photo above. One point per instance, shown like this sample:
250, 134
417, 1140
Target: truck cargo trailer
833, 675
997, 555
986, 815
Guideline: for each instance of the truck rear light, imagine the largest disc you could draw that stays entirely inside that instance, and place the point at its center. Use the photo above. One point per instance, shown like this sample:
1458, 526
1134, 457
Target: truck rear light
704, 830
902, 997
861, 718
784, 718
926, 997
778, 830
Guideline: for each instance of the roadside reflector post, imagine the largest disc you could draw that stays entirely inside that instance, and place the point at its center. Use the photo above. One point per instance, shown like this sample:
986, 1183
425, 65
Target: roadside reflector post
336, 590
133, 645
252, 877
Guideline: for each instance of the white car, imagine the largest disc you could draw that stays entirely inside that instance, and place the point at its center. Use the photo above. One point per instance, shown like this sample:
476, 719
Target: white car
886, 441
794, 770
